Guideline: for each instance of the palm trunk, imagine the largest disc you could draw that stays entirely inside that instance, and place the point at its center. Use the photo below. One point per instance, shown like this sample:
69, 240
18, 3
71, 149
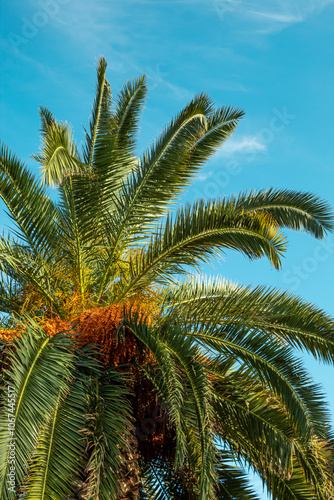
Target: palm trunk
80, 491
129, 479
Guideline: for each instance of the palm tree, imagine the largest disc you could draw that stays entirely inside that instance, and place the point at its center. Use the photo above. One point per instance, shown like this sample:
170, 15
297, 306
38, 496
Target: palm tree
125, 376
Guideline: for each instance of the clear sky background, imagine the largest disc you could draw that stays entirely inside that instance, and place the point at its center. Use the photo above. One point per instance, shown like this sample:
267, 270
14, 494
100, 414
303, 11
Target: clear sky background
274, 59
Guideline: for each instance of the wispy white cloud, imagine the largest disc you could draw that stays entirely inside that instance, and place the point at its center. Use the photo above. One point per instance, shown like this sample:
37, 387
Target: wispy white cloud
270, 16
244, 144
204, 177
278, 17
103, 28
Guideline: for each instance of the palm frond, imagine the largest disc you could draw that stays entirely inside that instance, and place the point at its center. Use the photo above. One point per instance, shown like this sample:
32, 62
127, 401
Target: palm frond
164, 170
20, 264
113, 156
291, 209
288, 381
60, 452
26, 201
129, 104
113, 149
196, 234
171, 386
283, 316
184, 354
296, 487
58, 156
160, 482
233, 483
40, 369
100, 112
9, 300
108, 433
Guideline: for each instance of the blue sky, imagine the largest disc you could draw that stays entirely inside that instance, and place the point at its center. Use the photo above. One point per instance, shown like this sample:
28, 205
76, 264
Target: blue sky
274, 59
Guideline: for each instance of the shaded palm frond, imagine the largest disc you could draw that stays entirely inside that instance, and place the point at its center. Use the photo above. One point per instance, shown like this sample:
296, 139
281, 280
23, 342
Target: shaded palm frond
233, 483
183, 355
108, 434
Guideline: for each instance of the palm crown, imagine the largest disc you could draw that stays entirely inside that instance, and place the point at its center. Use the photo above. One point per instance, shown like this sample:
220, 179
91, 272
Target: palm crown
131, 380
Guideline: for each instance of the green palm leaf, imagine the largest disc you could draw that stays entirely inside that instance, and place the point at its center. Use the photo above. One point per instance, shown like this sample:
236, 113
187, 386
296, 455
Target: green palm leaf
100, 111
39, 371
291, 209
60, 452
198, 232
59, 156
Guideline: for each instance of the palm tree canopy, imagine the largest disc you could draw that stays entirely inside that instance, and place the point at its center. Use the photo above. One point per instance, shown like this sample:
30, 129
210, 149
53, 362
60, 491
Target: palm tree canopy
131, 378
